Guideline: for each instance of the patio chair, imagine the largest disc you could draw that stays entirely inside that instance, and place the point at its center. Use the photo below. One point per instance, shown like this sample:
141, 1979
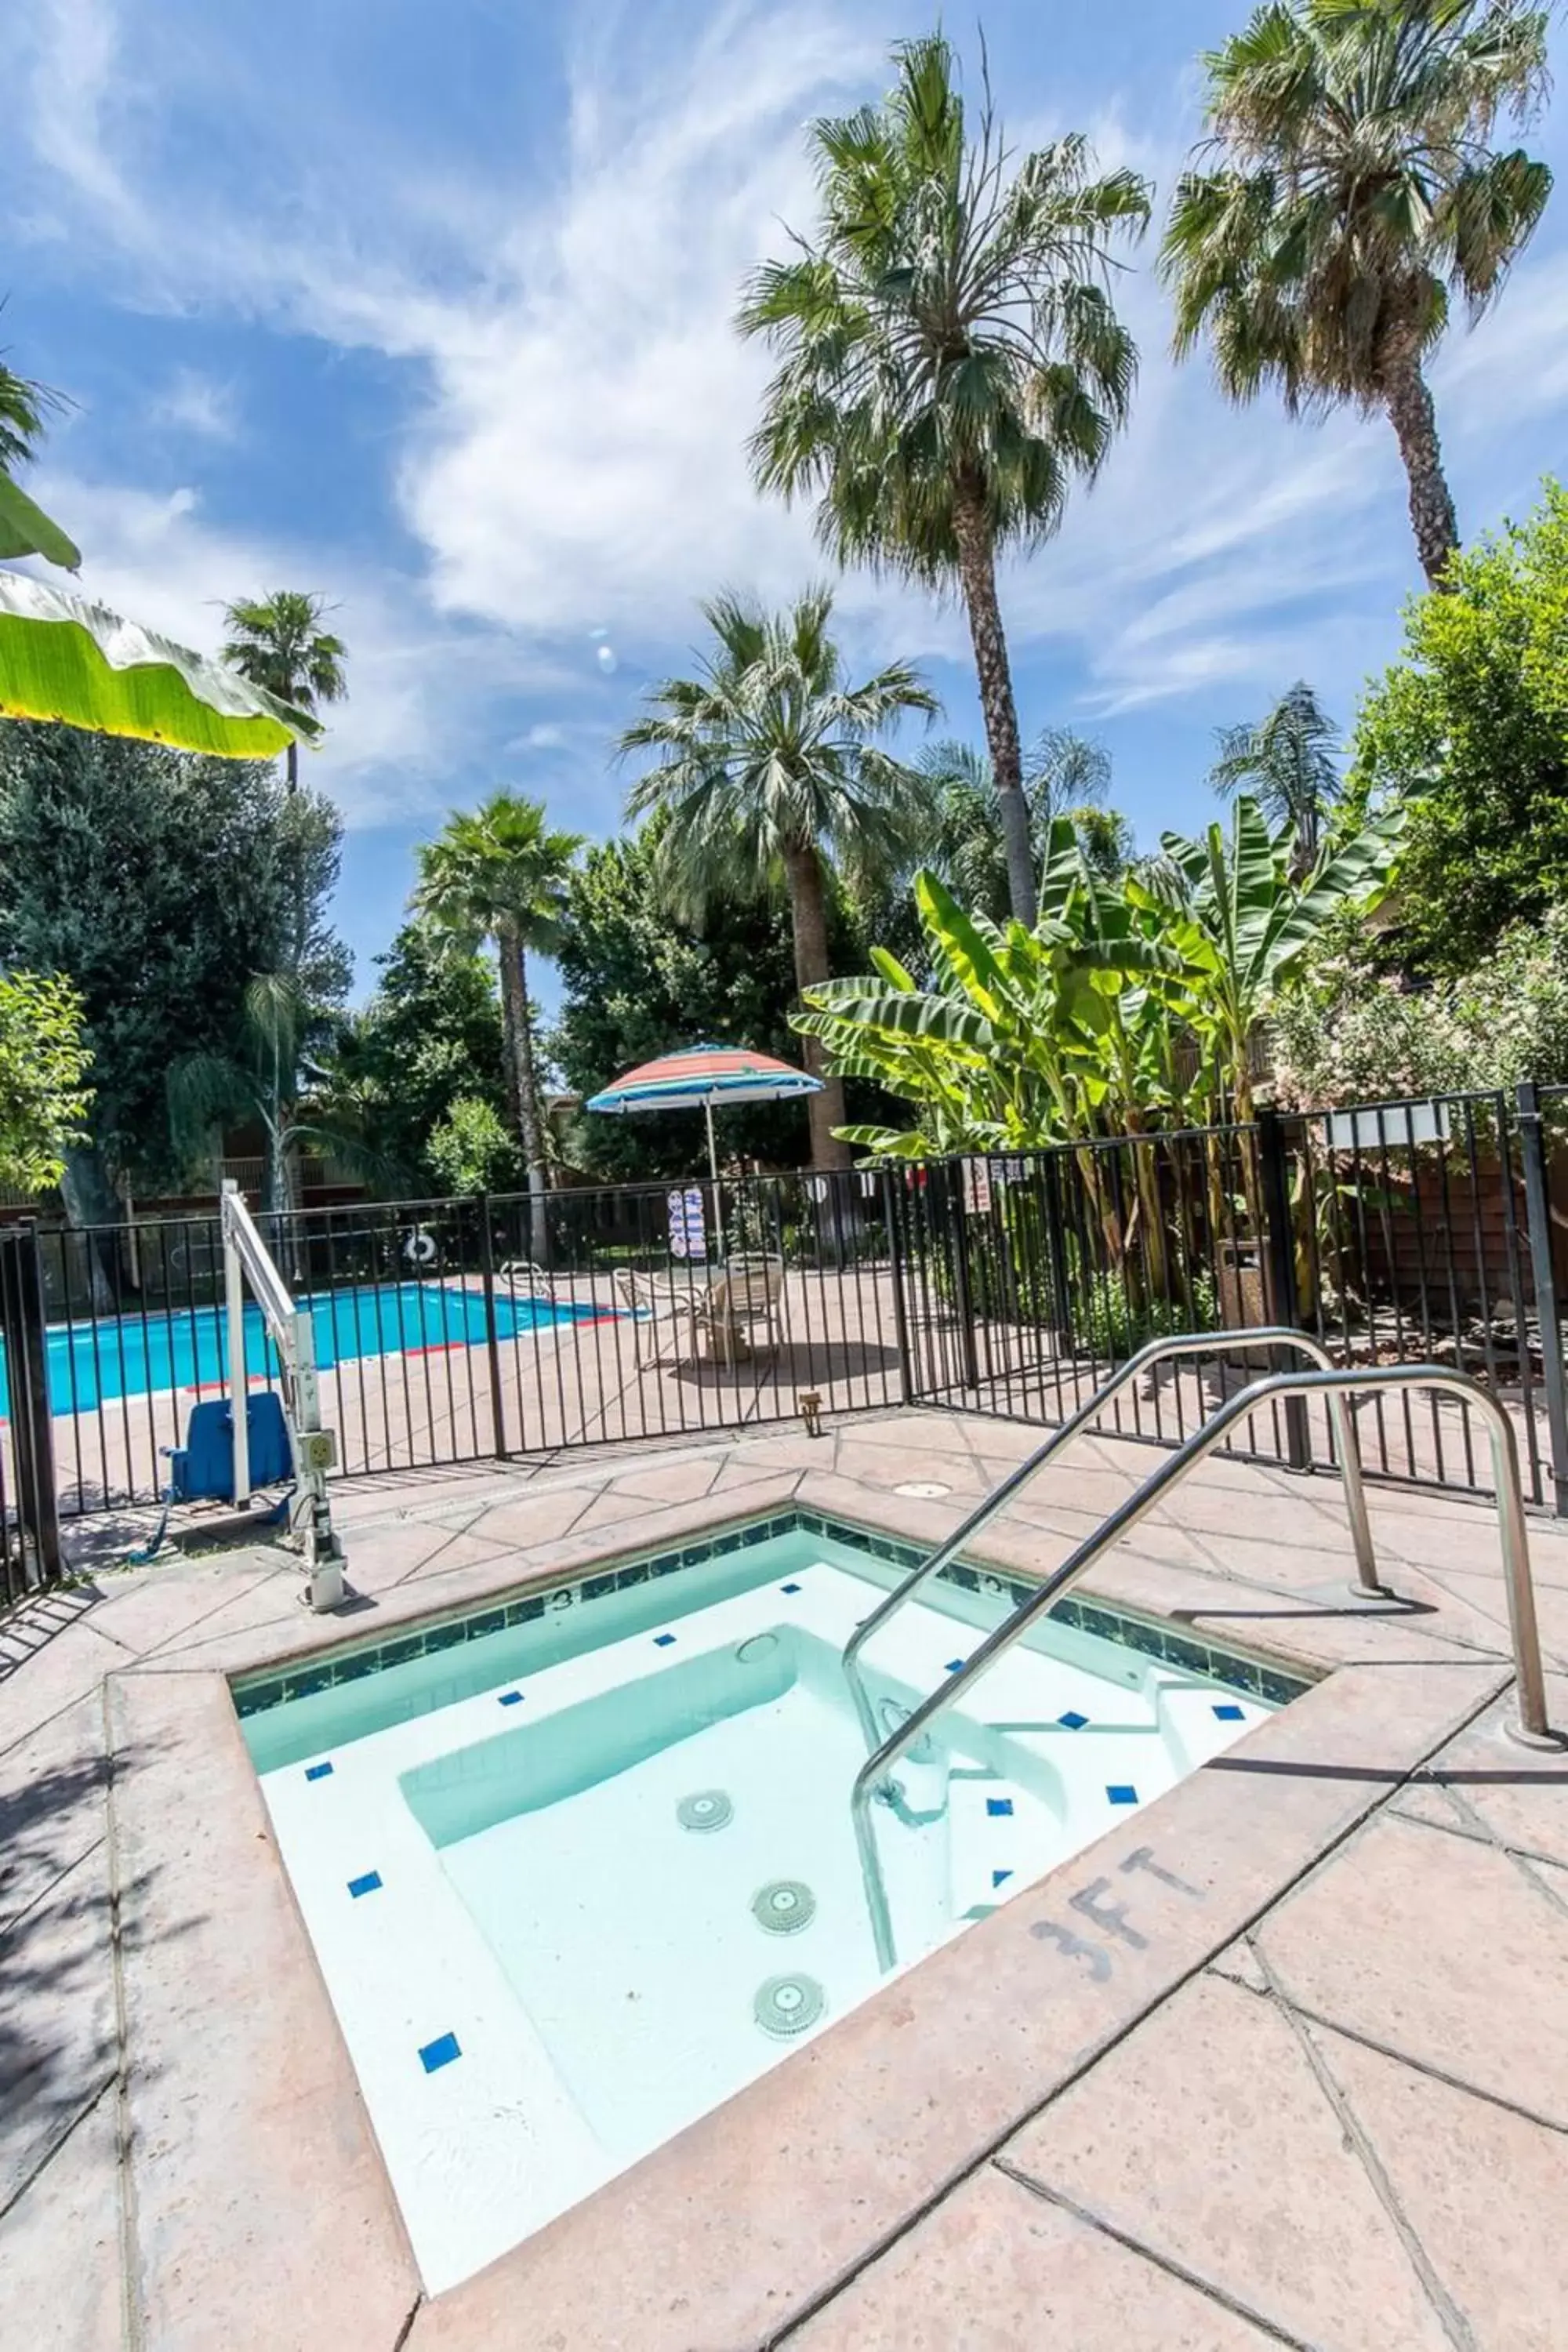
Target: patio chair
750, 1291
652, 1299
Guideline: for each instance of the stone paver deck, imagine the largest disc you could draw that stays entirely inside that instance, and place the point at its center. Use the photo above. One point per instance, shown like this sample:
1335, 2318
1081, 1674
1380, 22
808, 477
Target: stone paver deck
1282, 2060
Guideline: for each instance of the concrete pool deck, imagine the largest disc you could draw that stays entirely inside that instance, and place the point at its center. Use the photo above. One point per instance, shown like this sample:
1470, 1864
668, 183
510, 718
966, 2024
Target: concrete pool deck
1283, 2061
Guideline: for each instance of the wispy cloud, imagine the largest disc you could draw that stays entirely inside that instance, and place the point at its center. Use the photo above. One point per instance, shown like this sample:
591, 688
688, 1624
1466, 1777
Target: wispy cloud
425, 692
573, 456
198, 404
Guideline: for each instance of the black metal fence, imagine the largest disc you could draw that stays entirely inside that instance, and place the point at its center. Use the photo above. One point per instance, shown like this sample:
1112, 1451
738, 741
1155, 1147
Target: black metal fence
1433, 1231
451, 1331
464, 1330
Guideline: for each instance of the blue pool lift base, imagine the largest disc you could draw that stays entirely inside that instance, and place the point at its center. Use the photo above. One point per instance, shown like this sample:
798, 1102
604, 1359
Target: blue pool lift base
203, 1468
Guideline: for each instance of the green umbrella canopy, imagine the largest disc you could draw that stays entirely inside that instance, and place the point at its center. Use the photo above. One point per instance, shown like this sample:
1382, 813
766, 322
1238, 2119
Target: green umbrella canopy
64, 658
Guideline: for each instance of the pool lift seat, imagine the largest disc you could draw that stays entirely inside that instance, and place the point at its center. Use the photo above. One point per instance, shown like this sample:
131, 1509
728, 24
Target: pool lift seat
246, 1258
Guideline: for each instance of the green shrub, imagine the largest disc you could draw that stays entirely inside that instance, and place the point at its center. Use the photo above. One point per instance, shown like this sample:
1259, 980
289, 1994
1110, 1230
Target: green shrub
1109, 1320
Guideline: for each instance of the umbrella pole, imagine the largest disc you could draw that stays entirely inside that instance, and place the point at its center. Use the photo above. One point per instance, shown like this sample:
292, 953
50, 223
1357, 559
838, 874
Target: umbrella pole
713, 1171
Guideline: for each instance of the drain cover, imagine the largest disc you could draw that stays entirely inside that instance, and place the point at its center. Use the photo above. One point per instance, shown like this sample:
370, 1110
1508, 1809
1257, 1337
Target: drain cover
710, 1809
760, 1646
926, 1489
786, 2006
784, 1908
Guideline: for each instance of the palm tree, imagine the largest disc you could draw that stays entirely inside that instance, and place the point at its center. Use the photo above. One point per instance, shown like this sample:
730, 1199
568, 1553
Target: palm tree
951, 361
1064, 774
278, 642
497, 873
1287, 763
770, 765
1355, 195
23, 409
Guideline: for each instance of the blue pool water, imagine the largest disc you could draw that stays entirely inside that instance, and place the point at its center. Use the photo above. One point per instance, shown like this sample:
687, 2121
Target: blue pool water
578, 1865
124, 1356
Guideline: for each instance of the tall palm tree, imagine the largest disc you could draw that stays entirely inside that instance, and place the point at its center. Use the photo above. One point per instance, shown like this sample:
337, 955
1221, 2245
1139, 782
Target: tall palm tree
278, 643
1287, 763
951, 361
1064, 774
770, 766
497, 873
1356, 193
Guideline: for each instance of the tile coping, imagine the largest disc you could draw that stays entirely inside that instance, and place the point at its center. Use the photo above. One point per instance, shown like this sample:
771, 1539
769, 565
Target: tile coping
260, 1689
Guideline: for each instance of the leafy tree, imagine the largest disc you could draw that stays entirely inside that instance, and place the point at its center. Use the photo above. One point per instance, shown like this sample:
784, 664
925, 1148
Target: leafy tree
771, 772
1288, 762
638, 981
429, 1038
470, 1148
278, 642
1350, 1034
951, 361
161, 885
1468, 732
43, 1065
499, 873
1356, 196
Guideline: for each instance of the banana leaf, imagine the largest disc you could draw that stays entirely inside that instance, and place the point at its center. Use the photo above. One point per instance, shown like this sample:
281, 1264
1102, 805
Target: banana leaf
64, 658
26, 530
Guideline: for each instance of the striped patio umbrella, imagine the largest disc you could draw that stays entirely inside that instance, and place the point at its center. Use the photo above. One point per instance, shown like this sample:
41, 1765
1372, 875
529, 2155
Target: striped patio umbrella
699, 1078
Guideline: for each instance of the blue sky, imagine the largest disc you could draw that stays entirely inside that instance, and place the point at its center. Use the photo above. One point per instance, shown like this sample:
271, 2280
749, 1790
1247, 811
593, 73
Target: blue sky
427, 309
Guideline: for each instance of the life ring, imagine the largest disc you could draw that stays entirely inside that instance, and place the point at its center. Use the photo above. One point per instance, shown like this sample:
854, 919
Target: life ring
419, 1246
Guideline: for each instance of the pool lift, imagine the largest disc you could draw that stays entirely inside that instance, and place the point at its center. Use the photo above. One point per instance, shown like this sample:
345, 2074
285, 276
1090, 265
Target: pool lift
245, 1256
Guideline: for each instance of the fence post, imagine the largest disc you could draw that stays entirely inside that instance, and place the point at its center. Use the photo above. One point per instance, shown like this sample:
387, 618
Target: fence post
492, 1344
1543, 1280
900, 1305
963, 1293
32, 1426
1057, 1250
1280, 1269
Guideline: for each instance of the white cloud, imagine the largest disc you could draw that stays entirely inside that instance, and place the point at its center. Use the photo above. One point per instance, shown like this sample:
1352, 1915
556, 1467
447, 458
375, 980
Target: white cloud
422, 691
573, 460
198, 404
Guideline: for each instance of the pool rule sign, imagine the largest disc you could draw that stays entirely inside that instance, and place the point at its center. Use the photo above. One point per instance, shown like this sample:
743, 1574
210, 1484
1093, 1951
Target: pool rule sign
688, 1226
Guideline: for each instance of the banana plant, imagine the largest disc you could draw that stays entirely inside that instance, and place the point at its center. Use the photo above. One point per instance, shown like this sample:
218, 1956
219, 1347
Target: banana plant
1241, 925
1004, 1051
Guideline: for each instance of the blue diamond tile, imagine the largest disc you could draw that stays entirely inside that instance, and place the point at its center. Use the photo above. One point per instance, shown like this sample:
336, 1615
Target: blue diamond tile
365, 1885
439, 2052
1000, 1878
510, 1699
317, 1772
789, 1587
1231, 1713
1122, 1792
998, 1804
662, 1641
955, 1666
1072, 1720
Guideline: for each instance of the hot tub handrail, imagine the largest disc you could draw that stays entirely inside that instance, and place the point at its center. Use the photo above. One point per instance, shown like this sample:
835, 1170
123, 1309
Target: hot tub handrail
1532, 1726
1184, 1343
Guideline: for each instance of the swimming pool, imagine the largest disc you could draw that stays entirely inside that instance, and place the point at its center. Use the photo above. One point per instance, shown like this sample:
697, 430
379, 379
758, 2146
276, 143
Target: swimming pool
90, 1363
579, 1866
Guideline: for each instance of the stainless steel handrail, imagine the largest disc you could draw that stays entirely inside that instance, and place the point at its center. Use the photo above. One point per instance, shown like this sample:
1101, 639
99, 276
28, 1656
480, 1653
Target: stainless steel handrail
1185, 1343
1532, 1726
